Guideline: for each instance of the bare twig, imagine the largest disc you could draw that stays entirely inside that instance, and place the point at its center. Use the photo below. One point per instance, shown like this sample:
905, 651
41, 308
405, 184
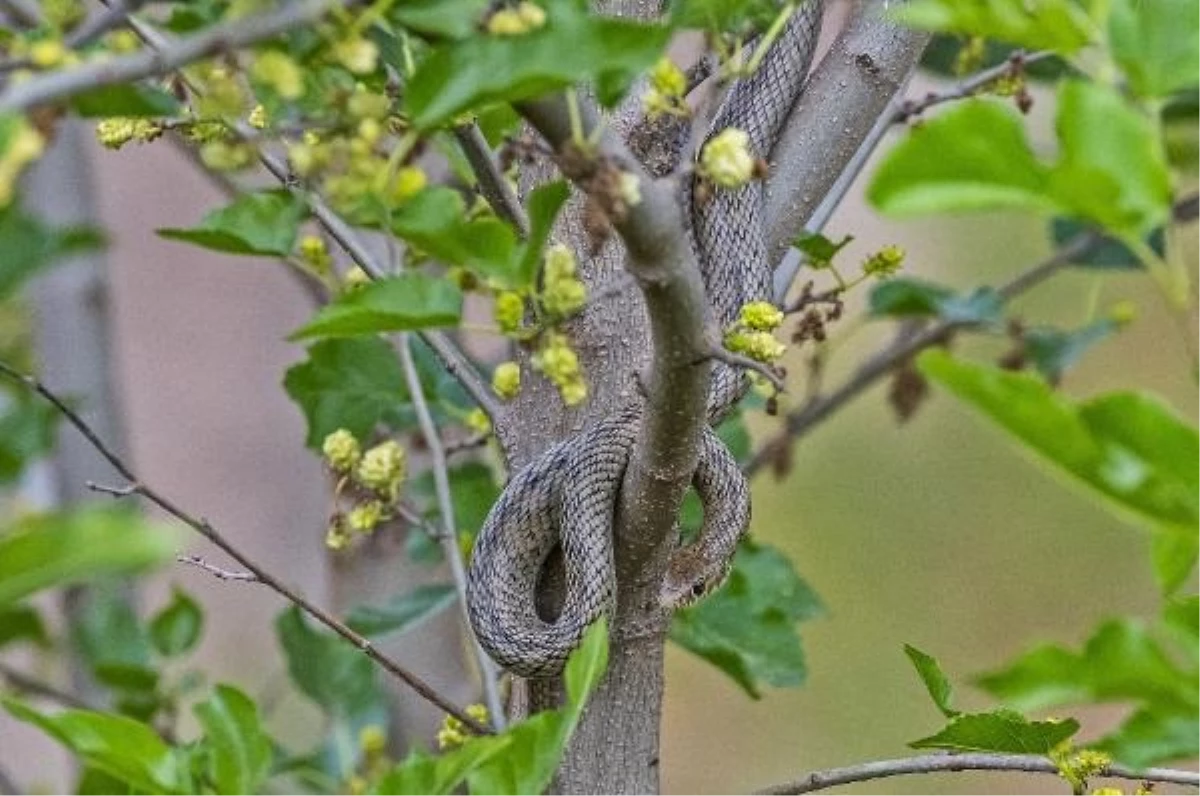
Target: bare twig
205, 529
929, 764
1013, 65
215, 571
467, 444
495, 189
488, 673
733, 359
801, 421
64, 83
32, 685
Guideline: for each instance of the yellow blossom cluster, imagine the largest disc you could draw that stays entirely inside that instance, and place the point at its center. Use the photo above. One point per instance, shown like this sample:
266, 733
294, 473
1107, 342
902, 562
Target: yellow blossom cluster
884, 262
668, 87
506, 380
563, 294
752, 335
453, 733
558, 362
726, 160
117, 131
380, 470
523, 18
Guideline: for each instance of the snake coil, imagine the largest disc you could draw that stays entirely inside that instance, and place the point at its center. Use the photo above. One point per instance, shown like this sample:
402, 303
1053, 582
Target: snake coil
567, 496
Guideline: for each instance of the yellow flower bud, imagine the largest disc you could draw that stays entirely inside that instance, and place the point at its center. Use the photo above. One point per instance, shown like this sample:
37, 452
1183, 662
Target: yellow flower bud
382, 468
668, 78
507, 22
363, 518
531, 14
506, 380
726, 159
47, 53
364, 104
359, 55
630, 189
1123, 313
759, 346
761, 316
508, 311
885, 262
257, 118
25, 145
408, 182
341, 450
477, 420
372, 739
336, 537
280, 72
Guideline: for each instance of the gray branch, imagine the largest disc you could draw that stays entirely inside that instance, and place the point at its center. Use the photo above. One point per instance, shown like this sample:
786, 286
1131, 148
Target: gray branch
495, 189
64, 83
847, 94
930, 764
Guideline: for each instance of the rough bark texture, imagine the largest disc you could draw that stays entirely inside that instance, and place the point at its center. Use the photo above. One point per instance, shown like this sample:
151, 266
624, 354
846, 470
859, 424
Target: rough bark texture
615, 749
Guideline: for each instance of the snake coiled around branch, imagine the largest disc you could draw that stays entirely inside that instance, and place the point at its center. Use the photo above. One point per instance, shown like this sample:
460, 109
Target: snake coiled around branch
568, 495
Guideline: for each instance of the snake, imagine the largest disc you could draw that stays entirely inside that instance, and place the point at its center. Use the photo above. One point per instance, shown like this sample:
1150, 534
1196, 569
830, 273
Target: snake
567, 496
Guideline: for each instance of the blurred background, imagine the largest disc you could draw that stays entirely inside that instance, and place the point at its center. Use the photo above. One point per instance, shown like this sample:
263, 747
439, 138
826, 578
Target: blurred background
938, 533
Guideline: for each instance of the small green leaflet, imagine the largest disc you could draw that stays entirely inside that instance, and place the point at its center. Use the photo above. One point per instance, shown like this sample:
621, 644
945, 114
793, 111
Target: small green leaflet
407, 302
262, 223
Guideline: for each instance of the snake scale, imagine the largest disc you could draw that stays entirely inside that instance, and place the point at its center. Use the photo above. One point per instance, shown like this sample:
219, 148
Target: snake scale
568, 495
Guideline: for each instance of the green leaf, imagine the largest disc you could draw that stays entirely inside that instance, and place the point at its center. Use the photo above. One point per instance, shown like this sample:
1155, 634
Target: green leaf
27, 246
999, 731
355, 384
240, 751
1126, 446
397, 304
454, 19
1109, 253
177, 627
1174, 553
1155, 43
820, 249
52, 550
1112, 168
972, 157
1058, 25
544, 203
327, 669
573, 46
529, 763
747, 628
118, 746
22, 623
402, 612
106, 632
906, 297
125, 99
1121, 661
934, 679
736, 17
1154, 735
525, 756
28, 429
262, 223
1054, 351
435, 221
473, 492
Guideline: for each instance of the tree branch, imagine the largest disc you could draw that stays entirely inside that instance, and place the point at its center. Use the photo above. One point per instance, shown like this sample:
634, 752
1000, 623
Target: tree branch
1015, 63
495, 189
205, 529
31, 685
929, 764
801, 421
64, 83
488, 673
850, 89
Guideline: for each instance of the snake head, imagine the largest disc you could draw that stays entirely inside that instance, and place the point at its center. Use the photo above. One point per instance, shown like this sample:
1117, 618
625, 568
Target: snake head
690, 577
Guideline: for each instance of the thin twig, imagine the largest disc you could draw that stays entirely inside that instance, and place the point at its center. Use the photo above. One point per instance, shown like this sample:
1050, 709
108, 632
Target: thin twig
64, 83
801, 421
137, 487
215, 571
32, 685
468, 444
1014, 64
929, 764
733, 359
495, 189
449, 538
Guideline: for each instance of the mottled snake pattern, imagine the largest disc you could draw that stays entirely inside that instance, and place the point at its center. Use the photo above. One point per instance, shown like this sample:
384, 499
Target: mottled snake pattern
568, 495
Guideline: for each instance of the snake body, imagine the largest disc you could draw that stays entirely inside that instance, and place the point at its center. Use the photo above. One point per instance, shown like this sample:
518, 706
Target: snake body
568, 495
